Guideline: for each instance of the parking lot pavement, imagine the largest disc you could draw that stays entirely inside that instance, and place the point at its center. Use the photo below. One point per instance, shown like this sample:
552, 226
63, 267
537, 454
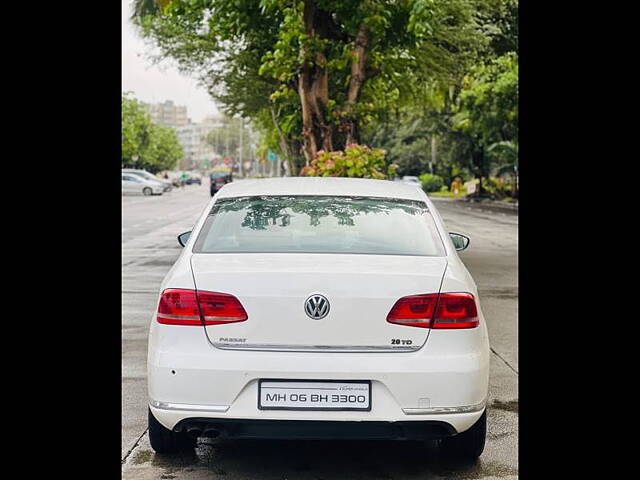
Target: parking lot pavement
149, 248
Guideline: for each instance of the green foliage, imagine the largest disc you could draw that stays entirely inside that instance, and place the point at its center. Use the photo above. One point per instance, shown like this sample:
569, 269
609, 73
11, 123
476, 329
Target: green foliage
249, 54
489, 101
498, 188
443, 69
431, 183
145, 144
355, 161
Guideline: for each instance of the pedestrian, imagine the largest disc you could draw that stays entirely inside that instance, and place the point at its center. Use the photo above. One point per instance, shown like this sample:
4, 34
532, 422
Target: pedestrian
456, 186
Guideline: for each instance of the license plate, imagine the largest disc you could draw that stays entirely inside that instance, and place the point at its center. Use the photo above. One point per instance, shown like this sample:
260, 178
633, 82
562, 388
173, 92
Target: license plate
314, 395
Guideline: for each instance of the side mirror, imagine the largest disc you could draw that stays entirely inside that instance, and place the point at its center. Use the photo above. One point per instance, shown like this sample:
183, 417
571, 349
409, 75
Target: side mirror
459, 241
183, 238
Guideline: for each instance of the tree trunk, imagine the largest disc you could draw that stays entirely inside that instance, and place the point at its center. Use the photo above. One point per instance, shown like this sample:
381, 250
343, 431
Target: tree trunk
309, 145
284, 146
477, 159
313, 89
358, 77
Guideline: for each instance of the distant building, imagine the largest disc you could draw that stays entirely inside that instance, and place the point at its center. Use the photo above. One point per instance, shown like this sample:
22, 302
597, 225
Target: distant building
192, 137
167, 113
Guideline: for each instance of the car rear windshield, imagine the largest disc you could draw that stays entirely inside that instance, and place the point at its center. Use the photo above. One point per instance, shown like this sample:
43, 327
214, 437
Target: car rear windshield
319, 224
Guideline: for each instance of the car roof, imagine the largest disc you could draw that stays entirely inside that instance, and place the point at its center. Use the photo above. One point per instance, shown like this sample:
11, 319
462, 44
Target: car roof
359, 187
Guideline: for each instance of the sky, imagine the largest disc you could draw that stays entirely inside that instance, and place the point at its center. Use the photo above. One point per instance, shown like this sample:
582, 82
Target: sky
153, 83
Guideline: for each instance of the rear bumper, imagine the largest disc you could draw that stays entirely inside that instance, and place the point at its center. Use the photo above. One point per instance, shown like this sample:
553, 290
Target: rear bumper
445, 381
314, 430
216, 423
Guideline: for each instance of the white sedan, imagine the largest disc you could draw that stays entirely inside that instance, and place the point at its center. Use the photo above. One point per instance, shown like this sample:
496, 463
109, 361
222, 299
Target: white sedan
316, 308
136, 185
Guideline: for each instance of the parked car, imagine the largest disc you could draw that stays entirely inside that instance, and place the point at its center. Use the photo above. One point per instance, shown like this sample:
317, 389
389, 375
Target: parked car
135, 184
319, 308
194, 179
151, 177
414, 181
219, 179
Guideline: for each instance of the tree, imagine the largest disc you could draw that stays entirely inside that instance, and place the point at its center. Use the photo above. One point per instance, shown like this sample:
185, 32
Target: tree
226, 139
488, 110
470, 108
348, 61
165, 149
315, 72
136, 125
145, 144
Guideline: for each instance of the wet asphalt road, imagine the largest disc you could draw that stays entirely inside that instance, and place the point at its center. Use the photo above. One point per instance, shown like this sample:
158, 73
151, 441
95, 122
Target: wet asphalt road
149, 248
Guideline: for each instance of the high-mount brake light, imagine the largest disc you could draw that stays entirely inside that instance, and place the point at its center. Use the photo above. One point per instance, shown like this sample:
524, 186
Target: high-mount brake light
191, 307
441, 311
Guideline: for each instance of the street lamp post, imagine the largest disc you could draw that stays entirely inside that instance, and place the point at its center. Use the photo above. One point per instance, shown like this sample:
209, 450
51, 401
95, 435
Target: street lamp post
433, 153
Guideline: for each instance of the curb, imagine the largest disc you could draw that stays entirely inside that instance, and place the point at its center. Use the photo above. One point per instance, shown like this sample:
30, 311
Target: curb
488, 205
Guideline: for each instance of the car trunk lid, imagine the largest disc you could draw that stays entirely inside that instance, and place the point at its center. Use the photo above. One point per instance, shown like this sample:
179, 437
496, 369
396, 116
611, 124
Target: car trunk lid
360, 289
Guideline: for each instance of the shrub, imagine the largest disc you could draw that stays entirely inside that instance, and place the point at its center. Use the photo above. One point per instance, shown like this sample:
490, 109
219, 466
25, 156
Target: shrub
431, 183
496, 188
355, 161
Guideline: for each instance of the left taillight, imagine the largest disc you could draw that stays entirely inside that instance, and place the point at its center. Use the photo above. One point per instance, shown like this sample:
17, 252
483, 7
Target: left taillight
179, 307
220, 308
191, 307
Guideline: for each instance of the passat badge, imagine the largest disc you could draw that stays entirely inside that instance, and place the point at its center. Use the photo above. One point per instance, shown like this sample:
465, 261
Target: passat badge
316, 307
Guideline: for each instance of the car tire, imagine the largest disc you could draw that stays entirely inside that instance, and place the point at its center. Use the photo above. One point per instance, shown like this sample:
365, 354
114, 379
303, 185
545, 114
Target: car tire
146, 191
469, 444
164, 440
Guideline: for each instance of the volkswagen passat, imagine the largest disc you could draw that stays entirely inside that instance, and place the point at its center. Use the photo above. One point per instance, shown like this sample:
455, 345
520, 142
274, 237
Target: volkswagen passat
315, 308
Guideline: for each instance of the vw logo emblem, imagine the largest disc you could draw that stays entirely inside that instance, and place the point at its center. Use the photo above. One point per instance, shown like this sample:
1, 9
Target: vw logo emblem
316, 307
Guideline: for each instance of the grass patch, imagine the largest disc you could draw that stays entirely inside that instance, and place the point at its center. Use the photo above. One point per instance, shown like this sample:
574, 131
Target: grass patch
445, 194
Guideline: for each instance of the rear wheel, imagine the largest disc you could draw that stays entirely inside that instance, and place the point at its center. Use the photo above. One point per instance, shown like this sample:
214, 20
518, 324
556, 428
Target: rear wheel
467, 445
146, 191
164, 440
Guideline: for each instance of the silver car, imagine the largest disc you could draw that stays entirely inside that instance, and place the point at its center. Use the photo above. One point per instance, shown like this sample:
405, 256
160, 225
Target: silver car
167, 185
136, 185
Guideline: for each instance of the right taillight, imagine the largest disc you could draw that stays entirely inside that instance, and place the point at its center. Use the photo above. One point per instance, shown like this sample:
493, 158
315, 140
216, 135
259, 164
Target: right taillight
191, 307
442, 311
